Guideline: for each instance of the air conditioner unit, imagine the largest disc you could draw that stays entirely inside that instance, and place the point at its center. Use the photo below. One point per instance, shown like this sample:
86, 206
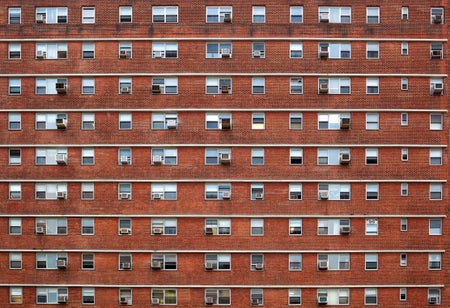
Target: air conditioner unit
437, 19
225, 53
157, 264
123, 301
255, 301
259, 196
61, 159
158, 196
124, 160
322, 265
156, 88
61, 123
324, 17
225, 158
171, 124
322, 299
323, 52
40, 229
256, 53
16, 299
259, 266
61, 88
345, 230
209, 231
61, 195
227, 17
209, 300
345, 123
433, 300
124, 230
123, 54
157, 159
157, 230
125, 265
209, 266
226, 195
323, 88
436, 54
125, 90
323, 194
437, 88
124, 196
344, 158
40, 18
157, 54
224, 89
155, 301
62, 299
61, 263
40, 54
225, 123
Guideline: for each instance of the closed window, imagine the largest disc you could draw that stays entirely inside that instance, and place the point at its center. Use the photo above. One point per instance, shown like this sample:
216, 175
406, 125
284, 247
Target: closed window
259, 14
370, 296
15, 156
50, 295
295, 191
335, 50
372, 192
258, 121
404, 49
373, 50
372, 86
219, 50
88, 296
165, 14
334, 261
372, 226
88, 121
15, 226
87, 191
88, 86
371, 156
295, 296
373, 15
257, 157
434, 261
87, 226
15, 15
258, 85
334, 86
14, 121
295, 121
87, 156
296, 14
15, 260
435, 191
125, 14
404, 224
332, 156
125, 121
15, 191
295, 226
164, 296
404, 189
334, 192
88, 50
14, 51
165, 50
87, 261
218, 296
296, 50
256, 227
50, 260
435, 227
435, 121
371, 261
333, 226
15, 86
372, 121
15, 295
296, 156
88, 15
404, 119
296, 85
295, 262
435, 156
51, 226
405, 13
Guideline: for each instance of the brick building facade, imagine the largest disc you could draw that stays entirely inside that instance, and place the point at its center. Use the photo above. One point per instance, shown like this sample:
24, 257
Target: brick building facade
259, 153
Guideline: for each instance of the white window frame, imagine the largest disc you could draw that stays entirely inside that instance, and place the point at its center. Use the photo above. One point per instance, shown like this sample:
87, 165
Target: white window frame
336, 50
88, 296
255, 190
259, 50
372, 226
52, 51
47, 86
403, 259
87, 191
14, 51
218, 262
164, 50
340, 191
125, 14
88, 50
88, 85
330, 156
372, 191
372, 156
372, 50
258, 120
370, 296
14, 15
49, 190
217, 14
436, 157
87, 226
436, 122
335, 14
296, 50
405, 13
15, 295
161, 121
296, 120
168, 226
434, 261
59, 15
53, 226
258, 85
332, 227
51, 295
165, 296
435, 293
87, 156
168, 190
217, 85
88, 261
435, 226
372, 85
257, 156
87, 121
257, 227
14, 86
436, 11
124, 188
167, 85
122, 153
125, 82
295, 227
15, 156
404, 84
125, 121
372, 121
373, 15
220, 227
214, 191
168, 156
336, 85
216, 50
435, 191
127, 294
295, 156
335, 261
88, 15
404, 49
403, 296
335, 296
404, 190
258, 14
296, 14
49, 156
295, 262
371, 262
165, 14
219, 296
404, 156
15, 226
295, 191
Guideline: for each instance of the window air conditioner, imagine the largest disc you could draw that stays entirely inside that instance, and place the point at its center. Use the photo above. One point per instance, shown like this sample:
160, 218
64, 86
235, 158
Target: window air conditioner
255, 302
123, 54
225, 53
158, 196
433, 300
157, 54
208, 231
324, 17
157, 159
123, 301
322, 265
157, 230
61, 195
156, 264
224, 89
256, 53
259, 196
124, 196
323, 52
323, 88
225, 158
259, 266
155, 301
171, 124
40, 229
62, 299
345, 123
226, 195
227, 17
344, 158
437, 88
156, 88
323, 194
345, 230
40, 18
436, 54
125, 90
125, 231
225, 123
322, 299
61, 88
209, 300
124, 160
125, 265
61, 263
209, 266
61, 123
437, 19
61, 159
40, 54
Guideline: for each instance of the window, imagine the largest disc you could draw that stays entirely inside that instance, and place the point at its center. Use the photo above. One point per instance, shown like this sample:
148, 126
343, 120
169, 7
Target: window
125, 121
219, 85
48, 191
436, 86
217, 156
372, 121
371, 261
435, 191
405, 13
15, 260
88, 15
48, 85
370, 296
125, 85
334, 86
51, 51
373, 15
256, 262
403, 294
14, 51
125, 261
334, 191
256, 227
295, 191
403, 259
259, 14
258, 50
164, 121
164, 191
372, 191
404, 224
15, 86
335, 14
372, 226
295, 262
165, 156
88, 296
14, 15
218, 121
435, 121
87, 191
256, 296
164, 226
435, 156
87, 226
88, 86
164, 50
404, 119
164, 261
124, 226
404, 50
404, 189
336, 262
218, 13
332, 156
164, 296
434, 296
124, 157
295, 121
51, 226
125, 14
218, 50
334, 50
217, 296
296, 50
258, 121
125, 52
296, 14
15, 226
14, 121
437, 15
218, 226
296, 85
165, 14
434, 261
125, 296
332, 120
87, 156
373, 50
51, 15
257, 157
50, 295
296, 156
436, 51
15, 156
15, 295
166, 85
372, 86
51, 156
333, 226
87, 261
258, 85
88, 50
435, 227
218, 262
50, 260
257, 191
333, 296
124, 191
15, 191
295, 226
295, 296
88, 121
218, 191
